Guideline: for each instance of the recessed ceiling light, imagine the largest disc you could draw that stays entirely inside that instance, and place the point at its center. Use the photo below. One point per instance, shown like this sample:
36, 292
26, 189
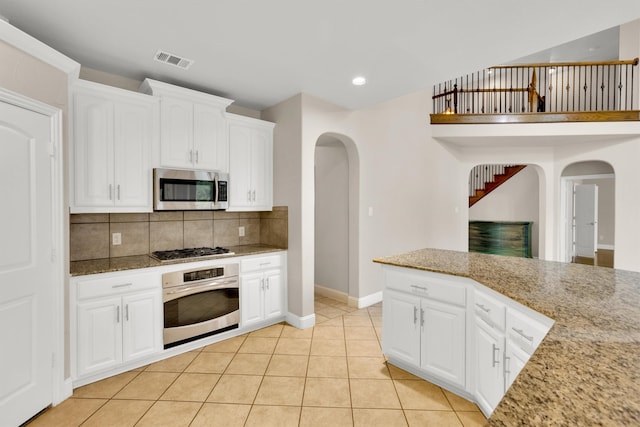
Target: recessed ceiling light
358, 81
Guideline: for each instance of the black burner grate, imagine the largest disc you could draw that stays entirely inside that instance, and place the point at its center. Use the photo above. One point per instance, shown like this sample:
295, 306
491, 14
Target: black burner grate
189, 253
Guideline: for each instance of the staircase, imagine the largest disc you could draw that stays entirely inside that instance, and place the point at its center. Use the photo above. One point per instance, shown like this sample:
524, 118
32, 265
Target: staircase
483, 179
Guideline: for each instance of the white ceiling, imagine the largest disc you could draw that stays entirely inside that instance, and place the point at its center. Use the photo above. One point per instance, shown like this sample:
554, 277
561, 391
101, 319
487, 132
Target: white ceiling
261, 52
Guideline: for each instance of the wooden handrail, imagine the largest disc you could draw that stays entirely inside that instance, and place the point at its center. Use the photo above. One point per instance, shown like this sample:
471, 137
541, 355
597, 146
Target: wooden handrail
634, 61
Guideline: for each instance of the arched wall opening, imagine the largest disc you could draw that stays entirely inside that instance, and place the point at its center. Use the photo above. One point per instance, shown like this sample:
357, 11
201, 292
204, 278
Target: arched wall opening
336, 236
514, 209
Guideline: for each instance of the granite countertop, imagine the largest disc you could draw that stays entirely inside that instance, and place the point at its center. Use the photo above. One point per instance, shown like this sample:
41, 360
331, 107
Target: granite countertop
587, 369
106, 265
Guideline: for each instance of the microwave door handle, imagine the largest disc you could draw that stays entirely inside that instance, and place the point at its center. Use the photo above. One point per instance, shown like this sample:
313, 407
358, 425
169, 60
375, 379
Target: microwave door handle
215, 184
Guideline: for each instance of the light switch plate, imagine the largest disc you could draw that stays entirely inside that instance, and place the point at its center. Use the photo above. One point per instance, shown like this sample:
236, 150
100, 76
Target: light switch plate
241, 231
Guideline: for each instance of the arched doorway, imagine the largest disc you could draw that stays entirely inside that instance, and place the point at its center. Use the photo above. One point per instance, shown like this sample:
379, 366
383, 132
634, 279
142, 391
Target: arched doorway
507, 221
588, 213
336, 217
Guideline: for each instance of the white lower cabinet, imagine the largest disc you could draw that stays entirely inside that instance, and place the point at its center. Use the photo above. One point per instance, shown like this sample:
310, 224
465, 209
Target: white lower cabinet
119, 319
262, 290
423, 327
475, 346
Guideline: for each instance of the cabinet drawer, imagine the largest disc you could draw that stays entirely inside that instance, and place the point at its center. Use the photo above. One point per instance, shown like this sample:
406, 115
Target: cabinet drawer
429, 285
260, 263
523, 331
98, 287
490, 310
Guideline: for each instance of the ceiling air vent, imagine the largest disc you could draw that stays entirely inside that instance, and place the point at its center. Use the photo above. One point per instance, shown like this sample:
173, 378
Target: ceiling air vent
171, 59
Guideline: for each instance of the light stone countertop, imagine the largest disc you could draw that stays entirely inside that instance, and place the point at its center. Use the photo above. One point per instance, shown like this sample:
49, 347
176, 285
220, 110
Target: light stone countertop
587, 370
107, 265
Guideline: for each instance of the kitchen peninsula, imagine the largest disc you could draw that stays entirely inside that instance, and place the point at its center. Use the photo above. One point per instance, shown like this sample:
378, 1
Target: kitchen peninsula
586, 371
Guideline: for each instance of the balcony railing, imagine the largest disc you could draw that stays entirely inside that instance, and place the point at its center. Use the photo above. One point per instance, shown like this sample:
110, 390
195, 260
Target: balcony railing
541, 88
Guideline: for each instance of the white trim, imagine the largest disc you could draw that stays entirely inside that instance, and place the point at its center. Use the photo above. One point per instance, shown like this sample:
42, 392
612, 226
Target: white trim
23, 41
365, 301
331, 293
592, 176
606, 247
301, 322
61, 387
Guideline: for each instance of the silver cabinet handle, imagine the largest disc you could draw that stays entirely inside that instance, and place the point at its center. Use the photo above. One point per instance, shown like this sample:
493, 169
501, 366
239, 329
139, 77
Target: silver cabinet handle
422, 317
122, 285
483, 308
265, 263
267, 283
422, 288
190, 156
262, 284
506, 370
415, 315
249, 196
118, 191
197, 155
118, 314
253, 197
110, 191
493, 356
126, 312
521, 333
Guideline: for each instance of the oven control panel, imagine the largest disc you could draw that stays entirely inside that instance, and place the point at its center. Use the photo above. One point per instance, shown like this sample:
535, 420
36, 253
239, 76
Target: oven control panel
209, 273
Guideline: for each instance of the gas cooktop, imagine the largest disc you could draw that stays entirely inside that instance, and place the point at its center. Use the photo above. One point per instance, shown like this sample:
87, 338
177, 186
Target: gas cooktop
175, 254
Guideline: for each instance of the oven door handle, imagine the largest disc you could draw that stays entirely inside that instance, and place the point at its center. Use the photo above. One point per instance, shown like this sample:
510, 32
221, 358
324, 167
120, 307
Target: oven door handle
225, 284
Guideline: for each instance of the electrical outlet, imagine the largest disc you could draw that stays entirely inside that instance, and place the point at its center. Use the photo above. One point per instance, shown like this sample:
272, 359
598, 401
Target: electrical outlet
116, 239
241, 231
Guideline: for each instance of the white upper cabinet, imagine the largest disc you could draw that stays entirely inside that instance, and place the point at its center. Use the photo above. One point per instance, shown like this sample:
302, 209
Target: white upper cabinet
193, 127
250, 164
113, 133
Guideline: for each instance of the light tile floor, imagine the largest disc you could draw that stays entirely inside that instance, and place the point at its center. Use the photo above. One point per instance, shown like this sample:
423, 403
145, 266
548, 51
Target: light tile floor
331, 375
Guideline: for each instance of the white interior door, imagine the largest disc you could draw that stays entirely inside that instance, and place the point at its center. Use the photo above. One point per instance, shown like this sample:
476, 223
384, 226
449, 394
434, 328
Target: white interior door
26, 268
585, 217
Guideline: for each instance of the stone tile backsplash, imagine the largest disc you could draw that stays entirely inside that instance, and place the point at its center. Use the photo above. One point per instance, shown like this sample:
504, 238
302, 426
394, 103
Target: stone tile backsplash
143, 233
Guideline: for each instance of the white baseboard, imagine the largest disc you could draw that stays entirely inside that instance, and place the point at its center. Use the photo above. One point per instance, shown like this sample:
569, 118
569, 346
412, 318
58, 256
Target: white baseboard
301, 322
365, 301
331, 293
606, 247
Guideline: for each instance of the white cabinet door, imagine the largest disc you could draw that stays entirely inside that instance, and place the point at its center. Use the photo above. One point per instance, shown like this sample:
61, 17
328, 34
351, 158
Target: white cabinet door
93, 123
273, 294
488, 366
261, 166
250, 167
401, 326
443, 341
239, 167
132, 151
176, 139
251, 299
99, 335
514, 360
210, 143
141, 325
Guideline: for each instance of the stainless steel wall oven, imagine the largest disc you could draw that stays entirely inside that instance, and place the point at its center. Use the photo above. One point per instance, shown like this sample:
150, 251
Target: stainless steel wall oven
200, 302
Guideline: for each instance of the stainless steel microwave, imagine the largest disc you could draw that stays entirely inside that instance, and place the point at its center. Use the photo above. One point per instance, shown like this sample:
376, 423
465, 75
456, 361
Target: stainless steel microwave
177, 189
